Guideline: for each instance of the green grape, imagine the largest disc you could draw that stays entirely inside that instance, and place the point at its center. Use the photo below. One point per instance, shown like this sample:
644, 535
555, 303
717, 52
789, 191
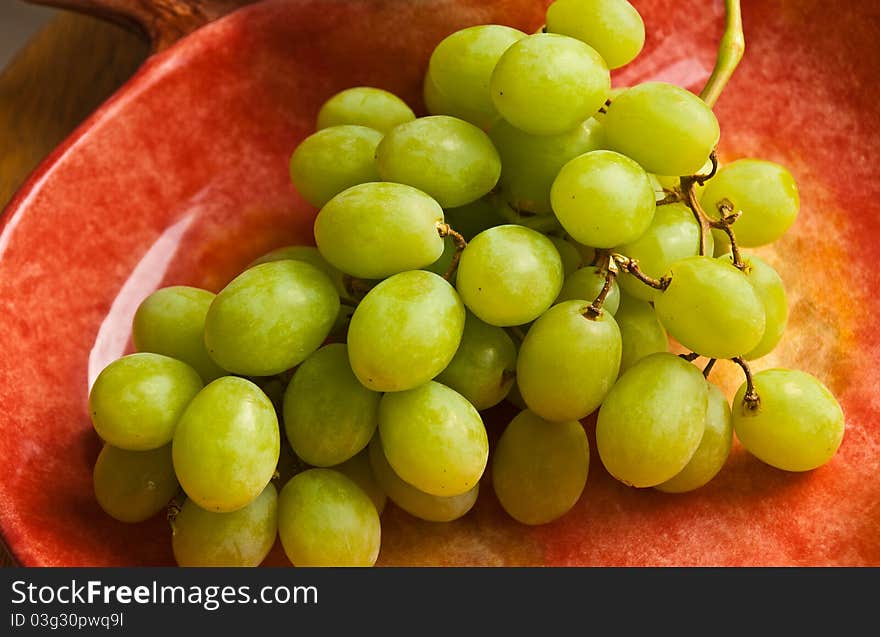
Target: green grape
585, 285
539, 468
798, 425
568, 362
460, 68
471, 219
438, 103
652, 420
328, 415
422, 505
270, 317
137, 400
171, 322
770, 289
375, 230
711, 308
309, 254
444, 261
333, 159
765, 192
509, 275
673, 234
239, 538
325, 519
133, 486
666, 129
712, 452
530, 163
613, 27
365, 106
405, 331
358, 470
482, 369
570, 255
640, 331
545, 224
546, 84
434, 439
226, 445
603, 199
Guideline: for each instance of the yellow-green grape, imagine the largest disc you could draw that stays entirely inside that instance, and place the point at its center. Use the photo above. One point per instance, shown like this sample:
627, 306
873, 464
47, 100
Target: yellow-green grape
438, 103
568, 362
798, 424
712, 452
226, 445
641, 333
711, 308
328, 415
666, 129
434, 439
171, 322
405, 331
333, 159
448, 158
365, 106
359, 471
239, 538
585, 285
309, 254
509, 275
545, 224
375, 230
570, 255
546, 84
270, 317
425, 506
613, 27
133, 486
325, 519
652, 420
137, 400
460, 68
471, 219
603, 199
530, 163
765, 192
539, 468
484, 366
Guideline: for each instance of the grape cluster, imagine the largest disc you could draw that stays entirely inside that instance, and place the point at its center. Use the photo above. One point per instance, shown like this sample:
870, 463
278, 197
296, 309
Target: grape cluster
537, 238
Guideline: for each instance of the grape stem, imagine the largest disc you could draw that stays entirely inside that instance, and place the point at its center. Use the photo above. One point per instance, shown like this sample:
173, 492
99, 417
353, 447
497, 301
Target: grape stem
688, 186
173, 509
730, 52
728, 216
594, 311
689, 357
517, 333
751, 400
445, 230
356, 288
708, 368
631, 266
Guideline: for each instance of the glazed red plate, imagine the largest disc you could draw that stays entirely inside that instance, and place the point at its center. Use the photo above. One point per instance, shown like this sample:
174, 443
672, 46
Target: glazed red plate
181, 178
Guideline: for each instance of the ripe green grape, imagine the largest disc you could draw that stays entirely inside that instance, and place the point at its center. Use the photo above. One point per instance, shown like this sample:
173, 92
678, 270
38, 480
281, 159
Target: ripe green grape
448, 158
471, 219
309, 254
539, 468
434, 439
546, 84
405, 331
365, 106
171, 322
666, 129
438, 103
652, 420
325, 519
375, 230
328, 415
798, 425
545, 224
530, 163
568, 362
712, 452
570, 255
460, 68
422, 505
358, 470
765, 192
137, 400
333, 159
585, 285
641, 333
133, 486
711, 308
239, 538
482, 369
613, 27
270, 317
226, 445
509, 275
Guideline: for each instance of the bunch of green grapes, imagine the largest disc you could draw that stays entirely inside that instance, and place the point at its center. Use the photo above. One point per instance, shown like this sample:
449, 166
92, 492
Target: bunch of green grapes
537, 238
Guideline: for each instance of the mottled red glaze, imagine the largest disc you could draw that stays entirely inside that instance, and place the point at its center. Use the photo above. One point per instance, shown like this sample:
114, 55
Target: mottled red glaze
182, 178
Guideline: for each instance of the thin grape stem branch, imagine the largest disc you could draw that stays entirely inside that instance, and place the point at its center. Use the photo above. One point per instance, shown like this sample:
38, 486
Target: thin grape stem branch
688, 185
708, 368
173, 509
631, 266
730, 52
594, 311
751, 400
445, 230
689, 357
728, 215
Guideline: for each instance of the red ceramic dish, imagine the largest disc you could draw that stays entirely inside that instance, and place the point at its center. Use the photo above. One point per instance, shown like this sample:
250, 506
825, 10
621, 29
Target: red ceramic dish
182, 178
